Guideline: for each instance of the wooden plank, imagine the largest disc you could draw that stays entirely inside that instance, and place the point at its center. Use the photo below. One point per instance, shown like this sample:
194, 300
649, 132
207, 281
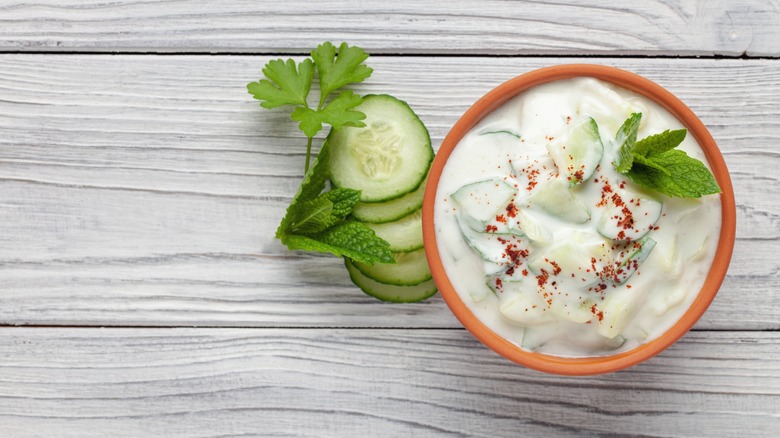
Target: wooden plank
144, 190
283, 382
460, 26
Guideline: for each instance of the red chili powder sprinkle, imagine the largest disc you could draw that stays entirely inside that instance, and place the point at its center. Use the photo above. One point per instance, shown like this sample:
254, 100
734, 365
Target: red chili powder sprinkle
525, 272
501, 218
599, 314
556, 268
491, 229
541, 279
511, 210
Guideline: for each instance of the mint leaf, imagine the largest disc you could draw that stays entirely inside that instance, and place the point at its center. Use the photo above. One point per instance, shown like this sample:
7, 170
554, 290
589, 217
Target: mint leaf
349, 239
660, 143
322, 212
312, 216
337, 113
687, 177
641, 159
625, 139
344, 200
287, 85
335, 72
313, 183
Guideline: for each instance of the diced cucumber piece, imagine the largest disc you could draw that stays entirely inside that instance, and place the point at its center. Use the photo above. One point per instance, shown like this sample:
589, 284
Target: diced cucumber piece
535, 337
525, 307
381, 212
387, 158
403, 235
666, 252
671, 299
617, 310
628, 216
578, 150
501, 132
569, 258
572, 309
555, 197
493, 268
410, 268
390, 292
631, 257
532, 228
487, 245
480, 201
479, 294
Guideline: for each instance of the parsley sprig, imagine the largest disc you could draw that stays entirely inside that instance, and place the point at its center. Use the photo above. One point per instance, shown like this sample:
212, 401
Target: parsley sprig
317, 220
289, 84
654, 163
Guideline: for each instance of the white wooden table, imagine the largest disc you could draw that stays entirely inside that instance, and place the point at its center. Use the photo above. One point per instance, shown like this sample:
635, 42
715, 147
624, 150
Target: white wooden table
142, 292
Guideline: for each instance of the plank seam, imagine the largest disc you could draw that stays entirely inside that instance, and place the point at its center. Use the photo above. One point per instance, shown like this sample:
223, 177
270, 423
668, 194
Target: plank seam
743, 56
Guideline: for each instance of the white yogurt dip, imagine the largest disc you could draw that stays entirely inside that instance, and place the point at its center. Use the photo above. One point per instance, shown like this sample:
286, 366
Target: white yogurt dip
525, 246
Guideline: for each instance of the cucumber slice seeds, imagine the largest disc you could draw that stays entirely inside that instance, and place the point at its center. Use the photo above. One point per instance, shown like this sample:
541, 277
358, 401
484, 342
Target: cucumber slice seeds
388, 161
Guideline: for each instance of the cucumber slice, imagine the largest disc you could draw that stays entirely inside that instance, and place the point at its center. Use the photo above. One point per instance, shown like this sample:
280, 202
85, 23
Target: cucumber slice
387, 158
390, 292
382, 212
555, 197
577, 151
480, 201
403, 235
409, 269
628, 216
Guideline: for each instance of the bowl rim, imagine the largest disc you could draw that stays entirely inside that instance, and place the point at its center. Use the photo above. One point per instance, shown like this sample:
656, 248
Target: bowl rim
596, 364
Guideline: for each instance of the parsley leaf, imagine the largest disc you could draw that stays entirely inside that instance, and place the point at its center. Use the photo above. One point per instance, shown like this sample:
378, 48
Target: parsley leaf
625, 139
336, 72
286, 84
654, 163
339, 112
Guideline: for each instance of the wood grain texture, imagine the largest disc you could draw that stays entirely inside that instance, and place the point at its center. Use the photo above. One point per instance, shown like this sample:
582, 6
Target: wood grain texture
143, 190
288, 382
657, 27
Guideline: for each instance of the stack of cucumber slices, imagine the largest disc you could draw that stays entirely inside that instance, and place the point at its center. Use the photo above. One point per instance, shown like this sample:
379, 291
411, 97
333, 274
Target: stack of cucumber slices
388, 161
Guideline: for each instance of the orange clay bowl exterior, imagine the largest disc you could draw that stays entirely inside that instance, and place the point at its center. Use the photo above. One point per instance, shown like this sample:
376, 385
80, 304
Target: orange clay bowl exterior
596, 364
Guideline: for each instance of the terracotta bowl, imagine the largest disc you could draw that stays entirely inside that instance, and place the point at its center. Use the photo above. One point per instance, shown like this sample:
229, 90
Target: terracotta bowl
586, 365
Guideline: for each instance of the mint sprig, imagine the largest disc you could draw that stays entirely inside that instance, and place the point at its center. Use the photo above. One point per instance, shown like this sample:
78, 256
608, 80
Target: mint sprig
655, 164
318, 221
